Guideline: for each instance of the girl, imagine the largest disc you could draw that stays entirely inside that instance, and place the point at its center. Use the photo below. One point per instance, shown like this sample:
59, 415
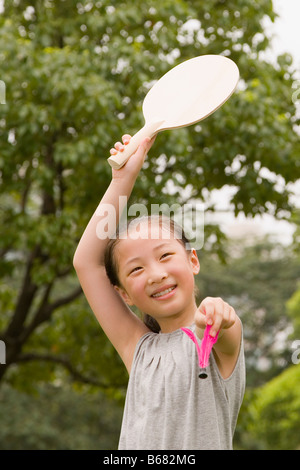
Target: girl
167, 405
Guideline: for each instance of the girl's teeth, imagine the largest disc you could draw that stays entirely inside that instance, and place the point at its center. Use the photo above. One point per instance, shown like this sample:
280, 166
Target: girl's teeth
166, 291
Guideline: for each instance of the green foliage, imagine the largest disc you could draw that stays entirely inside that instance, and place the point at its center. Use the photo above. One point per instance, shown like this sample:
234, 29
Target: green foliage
293, 308
58, 419
75, 352
275, 412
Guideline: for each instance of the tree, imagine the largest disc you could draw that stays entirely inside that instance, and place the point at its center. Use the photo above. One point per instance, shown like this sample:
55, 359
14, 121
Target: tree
58, 418
274, 413
293, 304
75, 75
293, 307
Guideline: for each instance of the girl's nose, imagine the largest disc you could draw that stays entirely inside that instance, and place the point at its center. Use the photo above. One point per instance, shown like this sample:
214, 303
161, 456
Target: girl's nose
156, 277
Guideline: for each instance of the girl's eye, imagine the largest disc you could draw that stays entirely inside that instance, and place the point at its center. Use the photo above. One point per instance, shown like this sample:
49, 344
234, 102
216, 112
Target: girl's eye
134, 270
165, 255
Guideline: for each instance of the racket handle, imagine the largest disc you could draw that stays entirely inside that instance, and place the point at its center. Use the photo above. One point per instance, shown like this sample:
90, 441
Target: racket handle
119, 159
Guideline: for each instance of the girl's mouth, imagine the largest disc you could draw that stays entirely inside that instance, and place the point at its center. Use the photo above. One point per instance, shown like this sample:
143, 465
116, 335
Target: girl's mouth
165, 293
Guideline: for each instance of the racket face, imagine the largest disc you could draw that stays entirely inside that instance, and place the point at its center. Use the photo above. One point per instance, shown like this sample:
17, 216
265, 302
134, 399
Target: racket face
191, 91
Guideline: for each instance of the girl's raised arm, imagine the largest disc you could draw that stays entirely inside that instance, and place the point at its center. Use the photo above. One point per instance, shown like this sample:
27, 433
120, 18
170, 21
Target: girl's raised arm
120, 324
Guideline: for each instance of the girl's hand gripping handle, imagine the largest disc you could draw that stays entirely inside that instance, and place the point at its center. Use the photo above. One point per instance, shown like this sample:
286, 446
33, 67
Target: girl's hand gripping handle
119, 159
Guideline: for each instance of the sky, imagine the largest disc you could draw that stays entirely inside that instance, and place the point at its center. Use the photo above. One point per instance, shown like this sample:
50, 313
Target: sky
286, 28
286, 38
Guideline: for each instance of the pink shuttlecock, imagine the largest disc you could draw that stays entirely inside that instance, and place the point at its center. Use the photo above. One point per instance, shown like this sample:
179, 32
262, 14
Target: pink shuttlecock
204, 350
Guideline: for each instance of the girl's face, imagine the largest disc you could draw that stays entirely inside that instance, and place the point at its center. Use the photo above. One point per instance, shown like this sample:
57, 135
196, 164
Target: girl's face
157, 275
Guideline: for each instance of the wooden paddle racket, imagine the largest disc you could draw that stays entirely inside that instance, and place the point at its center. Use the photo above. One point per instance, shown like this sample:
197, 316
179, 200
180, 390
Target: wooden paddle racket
187, 94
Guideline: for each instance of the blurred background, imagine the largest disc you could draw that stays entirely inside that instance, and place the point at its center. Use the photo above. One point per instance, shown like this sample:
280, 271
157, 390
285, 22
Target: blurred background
73, 77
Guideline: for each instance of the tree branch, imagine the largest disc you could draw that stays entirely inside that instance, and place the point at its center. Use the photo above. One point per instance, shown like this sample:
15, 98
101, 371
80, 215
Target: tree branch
26, 296
66, 299
64, 361
46, 309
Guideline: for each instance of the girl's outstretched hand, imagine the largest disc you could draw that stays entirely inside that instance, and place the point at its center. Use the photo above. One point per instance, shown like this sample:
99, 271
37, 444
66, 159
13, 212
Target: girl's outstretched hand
214, 311
133, 166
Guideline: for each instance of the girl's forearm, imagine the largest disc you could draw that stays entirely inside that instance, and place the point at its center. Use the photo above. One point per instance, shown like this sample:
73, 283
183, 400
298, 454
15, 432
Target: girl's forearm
103, 223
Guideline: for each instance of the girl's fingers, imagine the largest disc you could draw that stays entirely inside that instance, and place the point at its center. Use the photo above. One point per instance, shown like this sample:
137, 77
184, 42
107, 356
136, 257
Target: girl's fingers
117, 148
200, 320
216, 325
216, 312
135, 162
207, 308
126, 139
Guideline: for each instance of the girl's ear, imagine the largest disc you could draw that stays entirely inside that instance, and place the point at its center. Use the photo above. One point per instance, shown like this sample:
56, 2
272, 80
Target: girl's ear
194, 261
122, 292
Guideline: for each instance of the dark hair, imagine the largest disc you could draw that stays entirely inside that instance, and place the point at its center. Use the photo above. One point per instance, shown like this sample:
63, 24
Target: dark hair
110, 262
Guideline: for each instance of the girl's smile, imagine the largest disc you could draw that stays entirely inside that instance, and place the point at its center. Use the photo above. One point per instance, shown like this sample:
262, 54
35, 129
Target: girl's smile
164, 292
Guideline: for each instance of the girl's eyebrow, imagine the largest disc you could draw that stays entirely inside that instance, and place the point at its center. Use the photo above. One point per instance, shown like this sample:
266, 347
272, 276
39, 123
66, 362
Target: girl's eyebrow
132, 260
162, 245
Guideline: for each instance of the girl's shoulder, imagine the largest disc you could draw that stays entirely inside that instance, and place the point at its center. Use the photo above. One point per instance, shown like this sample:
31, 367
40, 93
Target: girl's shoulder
153, 346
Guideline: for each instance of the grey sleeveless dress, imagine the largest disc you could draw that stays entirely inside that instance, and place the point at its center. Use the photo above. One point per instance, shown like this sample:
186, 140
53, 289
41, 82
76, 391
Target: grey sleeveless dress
169, 407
